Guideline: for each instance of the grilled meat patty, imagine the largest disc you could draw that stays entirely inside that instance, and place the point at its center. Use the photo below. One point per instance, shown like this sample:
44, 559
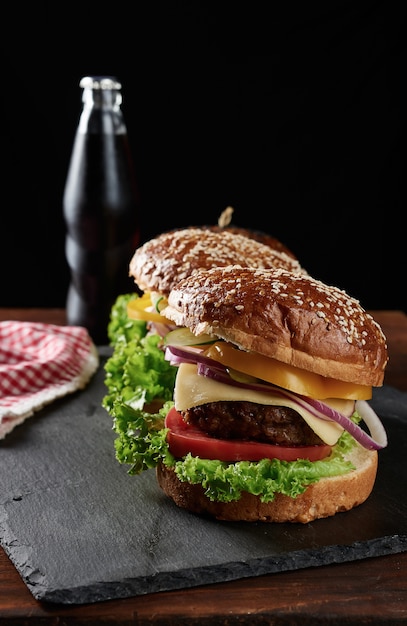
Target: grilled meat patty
277, 425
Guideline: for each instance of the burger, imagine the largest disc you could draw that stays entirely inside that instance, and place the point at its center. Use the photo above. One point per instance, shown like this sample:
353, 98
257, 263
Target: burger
271, 420
252, 404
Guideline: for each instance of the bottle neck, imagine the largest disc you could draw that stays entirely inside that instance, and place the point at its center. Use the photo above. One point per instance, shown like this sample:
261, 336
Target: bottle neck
102, 112
102, 98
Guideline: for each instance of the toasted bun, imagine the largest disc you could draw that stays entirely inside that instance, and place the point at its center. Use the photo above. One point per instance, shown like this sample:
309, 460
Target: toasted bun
293, 318
161, 262
322, 499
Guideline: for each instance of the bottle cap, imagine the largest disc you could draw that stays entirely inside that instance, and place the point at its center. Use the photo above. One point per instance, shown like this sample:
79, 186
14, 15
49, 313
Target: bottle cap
100, 82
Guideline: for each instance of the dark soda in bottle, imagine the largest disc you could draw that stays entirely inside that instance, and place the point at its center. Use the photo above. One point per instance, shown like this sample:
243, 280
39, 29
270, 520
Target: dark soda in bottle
101, 209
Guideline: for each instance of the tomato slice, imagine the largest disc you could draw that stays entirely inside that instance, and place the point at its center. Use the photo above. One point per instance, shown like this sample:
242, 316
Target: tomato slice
183, 438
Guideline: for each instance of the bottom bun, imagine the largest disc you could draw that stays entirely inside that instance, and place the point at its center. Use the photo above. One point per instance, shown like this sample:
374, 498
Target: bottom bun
322, 499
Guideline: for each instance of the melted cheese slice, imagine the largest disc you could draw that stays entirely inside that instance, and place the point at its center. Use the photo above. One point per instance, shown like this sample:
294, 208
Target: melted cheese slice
193, 390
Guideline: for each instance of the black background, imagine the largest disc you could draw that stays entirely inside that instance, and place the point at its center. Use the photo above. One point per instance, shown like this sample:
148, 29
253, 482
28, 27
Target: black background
296, 117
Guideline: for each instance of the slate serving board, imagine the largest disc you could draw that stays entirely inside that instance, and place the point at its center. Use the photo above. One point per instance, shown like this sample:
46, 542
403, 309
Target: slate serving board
79, 529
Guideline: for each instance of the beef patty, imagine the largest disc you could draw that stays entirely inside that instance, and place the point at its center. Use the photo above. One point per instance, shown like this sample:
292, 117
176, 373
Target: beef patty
277, 425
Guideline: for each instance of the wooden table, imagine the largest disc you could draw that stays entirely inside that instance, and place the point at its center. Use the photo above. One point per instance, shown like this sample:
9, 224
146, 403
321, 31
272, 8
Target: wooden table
371, 591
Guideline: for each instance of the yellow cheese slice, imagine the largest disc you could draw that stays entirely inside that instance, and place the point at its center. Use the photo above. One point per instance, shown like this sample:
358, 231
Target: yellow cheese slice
287, 376
193, 390
143, 308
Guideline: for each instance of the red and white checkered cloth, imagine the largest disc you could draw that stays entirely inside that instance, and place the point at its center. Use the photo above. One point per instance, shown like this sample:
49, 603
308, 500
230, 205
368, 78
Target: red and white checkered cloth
39, 363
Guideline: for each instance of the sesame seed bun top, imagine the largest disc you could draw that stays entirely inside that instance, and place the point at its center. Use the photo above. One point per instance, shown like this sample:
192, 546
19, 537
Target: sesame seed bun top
288, 316
161, 262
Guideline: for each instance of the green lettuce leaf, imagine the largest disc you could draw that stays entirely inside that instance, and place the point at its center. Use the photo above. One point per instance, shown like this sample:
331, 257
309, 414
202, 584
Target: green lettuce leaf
121, 329
137, 372
225, 482
141, 441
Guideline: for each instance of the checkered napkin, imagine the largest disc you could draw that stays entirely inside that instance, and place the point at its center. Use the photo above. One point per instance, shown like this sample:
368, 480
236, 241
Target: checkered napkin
39, 363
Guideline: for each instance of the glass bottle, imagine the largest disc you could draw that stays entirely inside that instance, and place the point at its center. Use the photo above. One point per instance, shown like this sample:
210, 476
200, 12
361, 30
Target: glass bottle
101, 208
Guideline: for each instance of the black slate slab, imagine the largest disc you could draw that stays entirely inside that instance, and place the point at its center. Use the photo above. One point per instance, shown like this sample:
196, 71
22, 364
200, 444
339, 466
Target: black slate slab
79, 529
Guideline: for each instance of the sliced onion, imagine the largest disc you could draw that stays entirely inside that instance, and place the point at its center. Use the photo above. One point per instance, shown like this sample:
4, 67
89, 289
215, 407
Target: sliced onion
372, 422
190, 354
